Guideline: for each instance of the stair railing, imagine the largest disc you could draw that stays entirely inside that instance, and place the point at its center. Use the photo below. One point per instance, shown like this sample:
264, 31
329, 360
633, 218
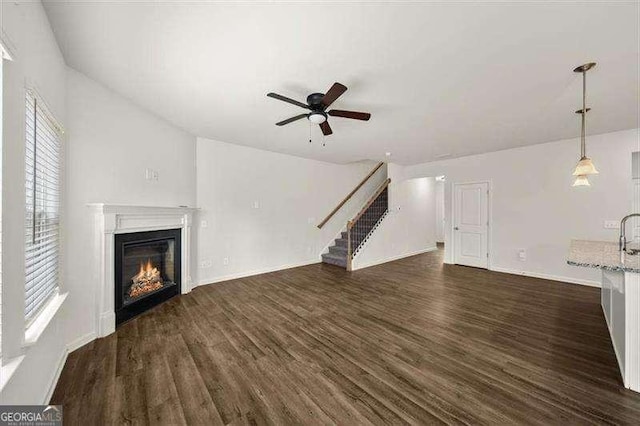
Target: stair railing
348, 197
360, 227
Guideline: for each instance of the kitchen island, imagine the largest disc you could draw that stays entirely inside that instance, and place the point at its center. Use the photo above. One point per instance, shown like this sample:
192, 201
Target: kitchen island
620, 299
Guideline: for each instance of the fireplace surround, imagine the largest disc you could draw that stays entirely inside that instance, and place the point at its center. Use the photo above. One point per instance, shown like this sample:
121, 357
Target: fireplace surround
113, 220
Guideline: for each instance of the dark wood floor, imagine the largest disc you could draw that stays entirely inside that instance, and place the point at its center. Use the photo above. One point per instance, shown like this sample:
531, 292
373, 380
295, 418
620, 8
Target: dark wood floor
410, 341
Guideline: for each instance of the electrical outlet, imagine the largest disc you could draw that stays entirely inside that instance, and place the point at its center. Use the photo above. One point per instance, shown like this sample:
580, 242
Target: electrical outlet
225, 261
204, 224
522, 255
155, 175
206, 264
611, 224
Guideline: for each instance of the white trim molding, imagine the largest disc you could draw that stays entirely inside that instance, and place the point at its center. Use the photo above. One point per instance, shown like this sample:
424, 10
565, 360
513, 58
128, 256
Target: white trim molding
213, 280
112, 219
6, 52
550, 277
42, 320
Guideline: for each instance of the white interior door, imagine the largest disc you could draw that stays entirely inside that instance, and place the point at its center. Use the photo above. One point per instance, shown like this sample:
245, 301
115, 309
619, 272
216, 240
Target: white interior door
471, 224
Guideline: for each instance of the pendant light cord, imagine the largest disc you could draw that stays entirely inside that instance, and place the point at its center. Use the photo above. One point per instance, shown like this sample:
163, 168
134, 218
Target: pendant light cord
583, 148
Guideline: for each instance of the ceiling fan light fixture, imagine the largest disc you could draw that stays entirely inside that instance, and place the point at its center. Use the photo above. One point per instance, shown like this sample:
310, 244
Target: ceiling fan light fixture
581, 180
317, 117
585, 167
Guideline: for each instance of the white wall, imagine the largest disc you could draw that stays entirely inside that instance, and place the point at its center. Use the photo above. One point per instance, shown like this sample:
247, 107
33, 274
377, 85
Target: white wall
533, 205
110, 143
37, 64
439, 211
293, 196
409, 227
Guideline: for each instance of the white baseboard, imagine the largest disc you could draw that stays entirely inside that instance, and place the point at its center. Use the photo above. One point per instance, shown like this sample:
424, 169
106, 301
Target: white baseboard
80, 341
107, 324
357, 266
551, 277
255, 272
56, 377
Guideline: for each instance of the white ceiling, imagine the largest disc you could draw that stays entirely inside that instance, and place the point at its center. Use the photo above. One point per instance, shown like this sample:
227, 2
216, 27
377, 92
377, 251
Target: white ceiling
457, 78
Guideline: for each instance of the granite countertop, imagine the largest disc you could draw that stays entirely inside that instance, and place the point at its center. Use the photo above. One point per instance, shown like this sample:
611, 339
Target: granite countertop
602, 255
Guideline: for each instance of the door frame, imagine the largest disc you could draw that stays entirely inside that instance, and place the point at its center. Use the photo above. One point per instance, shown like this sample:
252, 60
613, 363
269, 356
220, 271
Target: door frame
452, 239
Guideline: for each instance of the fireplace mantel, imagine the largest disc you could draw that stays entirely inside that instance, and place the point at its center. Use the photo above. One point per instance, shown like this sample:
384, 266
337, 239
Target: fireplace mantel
111, 219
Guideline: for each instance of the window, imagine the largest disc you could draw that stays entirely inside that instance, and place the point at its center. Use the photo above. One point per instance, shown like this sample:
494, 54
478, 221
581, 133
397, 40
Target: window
42, 221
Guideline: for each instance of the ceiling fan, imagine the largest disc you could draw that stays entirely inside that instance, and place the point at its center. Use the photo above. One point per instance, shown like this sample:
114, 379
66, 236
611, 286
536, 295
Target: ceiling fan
318, 103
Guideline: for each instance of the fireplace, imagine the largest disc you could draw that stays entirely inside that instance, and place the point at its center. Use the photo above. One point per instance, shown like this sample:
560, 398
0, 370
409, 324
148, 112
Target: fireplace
147, 271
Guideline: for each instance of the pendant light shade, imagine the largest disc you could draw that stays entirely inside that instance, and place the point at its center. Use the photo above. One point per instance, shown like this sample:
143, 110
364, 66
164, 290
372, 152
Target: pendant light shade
585, 167
581, 180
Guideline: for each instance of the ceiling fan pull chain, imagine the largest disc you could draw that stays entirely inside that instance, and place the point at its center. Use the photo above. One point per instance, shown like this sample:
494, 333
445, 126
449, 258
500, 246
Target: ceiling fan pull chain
324, 140
309, 132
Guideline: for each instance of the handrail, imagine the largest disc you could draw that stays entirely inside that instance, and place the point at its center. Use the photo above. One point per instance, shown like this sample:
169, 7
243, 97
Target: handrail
366, 206
348, 197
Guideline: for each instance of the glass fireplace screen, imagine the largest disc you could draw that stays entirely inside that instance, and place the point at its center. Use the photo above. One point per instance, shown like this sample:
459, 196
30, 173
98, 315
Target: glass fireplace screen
147, 267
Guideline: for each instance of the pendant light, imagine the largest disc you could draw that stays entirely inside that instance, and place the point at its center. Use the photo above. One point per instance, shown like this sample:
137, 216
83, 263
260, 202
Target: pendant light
581, 180
585, 166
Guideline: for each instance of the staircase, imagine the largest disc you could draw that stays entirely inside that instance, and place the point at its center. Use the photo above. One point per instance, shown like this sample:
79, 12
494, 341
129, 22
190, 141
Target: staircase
359, 229
338, 252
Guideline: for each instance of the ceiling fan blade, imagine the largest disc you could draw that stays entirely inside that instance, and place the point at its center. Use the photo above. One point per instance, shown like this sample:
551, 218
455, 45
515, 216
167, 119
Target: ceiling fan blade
289, 100
326, 129
349, 114
289, 120
334, 93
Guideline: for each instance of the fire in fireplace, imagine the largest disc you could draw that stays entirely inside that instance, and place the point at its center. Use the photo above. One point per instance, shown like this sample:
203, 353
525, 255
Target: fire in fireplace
147, 270
145, 281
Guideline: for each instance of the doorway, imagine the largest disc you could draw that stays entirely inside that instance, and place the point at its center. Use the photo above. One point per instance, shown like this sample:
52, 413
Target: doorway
440, 222
471, 224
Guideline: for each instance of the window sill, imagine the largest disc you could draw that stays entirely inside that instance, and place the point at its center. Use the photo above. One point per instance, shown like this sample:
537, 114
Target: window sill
41, 323
7, 370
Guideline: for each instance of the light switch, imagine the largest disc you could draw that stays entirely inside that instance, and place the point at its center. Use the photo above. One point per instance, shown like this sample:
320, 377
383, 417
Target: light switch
256, 204
204, 224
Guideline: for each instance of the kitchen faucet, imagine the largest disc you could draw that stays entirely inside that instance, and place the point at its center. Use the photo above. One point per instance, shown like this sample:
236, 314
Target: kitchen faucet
622, 242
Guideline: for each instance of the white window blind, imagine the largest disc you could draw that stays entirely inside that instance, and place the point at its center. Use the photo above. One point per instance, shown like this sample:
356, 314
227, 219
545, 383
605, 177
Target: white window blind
42, 221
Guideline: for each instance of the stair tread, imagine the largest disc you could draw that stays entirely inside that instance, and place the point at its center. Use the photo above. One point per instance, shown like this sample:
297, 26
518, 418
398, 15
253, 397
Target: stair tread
338, 250
334, 256
341, 242
335, 260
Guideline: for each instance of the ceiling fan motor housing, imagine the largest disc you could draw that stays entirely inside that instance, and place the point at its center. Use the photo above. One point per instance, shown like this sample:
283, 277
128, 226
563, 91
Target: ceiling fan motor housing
314, 101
